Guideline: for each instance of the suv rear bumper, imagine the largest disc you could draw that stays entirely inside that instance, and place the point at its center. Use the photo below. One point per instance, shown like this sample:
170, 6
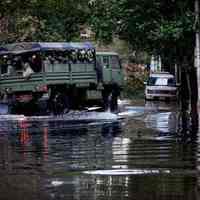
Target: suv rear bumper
160, 97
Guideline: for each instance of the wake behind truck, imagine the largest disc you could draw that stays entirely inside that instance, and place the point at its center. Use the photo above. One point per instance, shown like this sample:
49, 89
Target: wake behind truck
58, 76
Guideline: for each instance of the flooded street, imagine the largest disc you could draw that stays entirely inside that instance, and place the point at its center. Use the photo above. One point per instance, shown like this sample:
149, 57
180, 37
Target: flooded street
137, 154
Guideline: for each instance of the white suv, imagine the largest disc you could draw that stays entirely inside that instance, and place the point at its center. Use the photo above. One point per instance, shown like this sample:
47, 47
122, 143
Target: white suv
162, 86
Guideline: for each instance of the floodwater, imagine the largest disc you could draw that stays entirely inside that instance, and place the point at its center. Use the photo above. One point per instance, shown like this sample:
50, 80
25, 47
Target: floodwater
139, 154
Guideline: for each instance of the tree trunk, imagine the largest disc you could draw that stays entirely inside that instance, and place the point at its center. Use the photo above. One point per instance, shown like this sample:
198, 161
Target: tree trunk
184, 91
197, 46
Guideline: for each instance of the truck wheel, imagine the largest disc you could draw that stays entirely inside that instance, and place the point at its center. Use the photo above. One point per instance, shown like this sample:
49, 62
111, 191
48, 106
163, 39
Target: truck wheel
106, 103
113, 103
60, 104
114, 97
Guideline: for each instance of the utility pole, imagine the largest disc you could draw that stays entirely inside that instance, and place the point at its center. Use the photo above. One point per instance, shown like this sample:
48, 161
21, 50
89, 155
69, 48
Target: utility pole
197, 46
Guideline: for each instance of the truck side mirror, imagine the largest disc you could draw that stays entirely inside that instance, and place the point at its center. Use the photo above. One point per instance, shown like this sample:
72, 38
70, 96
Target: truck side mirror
106, 66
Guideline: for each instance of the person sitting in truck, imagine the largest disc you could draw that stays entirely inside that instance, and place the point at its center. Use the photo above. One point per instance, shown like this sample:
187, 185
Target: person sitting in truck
36, 63
48, 66
10, 69
18, 65
99, 71
3, 64
27, 70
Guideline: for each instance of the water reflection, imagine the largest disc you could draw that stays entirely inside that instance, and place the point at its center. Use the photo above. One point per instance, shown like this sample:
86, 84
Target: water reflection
43, 158
163, 117
35, 150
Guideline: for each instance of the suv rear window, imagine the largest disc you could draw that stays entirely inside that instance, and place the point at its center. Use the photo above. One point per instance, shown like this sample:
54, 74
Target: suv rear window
164, 81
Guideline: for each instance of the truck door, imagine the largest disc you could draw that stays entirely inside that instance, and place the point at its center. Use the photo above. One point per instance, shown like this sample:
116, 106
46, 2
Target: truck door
105, 61
111, 68
116, 70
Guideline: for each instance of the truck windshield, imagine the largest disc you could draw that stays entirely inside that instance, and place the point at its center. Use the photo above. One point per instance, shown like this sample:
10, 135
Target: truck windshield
115, 63
109, 61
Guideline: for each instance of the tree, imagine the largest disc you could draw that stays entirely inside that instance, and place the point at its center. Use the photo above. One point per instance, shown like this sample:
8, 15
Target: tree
150, 25
43, 20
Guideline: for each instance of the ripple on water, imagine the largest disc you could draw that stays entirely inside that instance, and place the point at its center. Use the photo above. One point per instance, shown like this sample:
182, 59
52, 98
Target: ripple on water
97, 159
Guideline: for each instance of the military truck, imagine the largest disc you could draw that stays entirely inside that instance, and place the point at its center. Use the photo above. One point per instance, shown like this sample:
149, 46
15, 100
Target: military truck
58, 76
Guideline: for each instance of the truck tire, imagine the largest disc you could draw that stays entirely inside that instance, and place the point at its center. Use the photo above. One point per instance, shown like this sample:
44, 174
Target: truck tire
113, 103
60, 104
105, 96
114, 97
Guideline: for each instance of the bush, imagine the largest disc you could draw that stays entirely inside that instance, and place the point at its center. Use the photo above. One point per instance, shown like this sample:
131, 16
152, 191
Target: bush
134, 85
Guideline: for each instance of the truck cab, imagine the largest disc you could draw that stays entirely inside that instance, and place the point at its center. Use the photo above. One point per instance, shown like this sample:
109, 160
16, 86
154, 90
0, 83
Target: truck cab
111, 69
111, 75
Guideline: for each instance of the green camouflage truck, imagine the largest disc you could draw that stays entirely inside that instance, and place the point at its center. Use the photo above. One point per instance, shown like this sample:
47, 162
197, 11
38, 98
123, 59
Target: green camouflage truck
63, 75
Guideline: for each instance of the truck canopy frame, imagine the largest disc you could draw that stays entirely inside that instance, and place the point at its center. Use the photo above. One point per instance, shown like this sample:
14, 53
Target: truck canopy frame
25, 47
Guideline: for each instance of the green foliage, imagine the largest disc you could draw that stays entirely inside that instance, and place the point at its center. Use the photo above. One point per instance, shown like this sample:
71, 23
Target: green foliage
162, 27
134, 86
104, 18
43, 20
